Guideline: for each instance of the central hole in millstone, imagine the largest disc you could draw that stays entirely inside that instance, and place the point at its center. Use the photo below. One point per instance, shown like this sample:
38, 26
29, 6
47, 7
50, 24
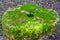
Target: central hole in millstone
30, 15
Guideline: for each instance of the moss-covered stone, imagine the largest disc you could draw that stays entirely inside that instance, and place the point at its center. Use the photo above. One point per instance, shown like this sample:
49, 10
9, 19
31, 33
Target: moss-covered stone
28, 21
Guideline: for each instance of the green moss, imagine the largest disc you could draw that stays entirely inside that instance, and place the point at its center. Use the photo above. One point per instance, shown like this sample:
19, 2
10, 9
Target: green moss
28, 20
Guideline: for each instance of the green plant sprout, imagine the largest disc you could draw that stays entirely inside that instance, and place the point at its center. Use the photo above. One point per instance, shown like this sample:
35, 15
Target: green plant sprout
28, 21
